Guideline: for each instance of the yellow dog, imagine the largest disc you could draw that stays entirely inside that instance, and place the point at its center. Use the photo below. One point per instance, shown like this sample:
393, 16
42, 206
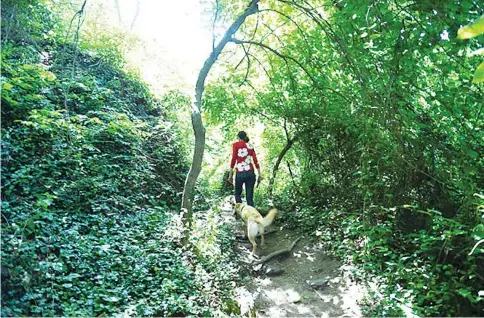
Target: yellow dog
255, 222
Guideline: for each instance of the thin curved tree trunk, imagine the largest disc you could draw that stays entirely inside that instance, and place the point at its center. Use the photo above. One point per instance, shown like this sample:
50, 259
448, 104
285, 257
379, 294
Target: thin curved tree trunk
197, 124
120, 20
138, 6
286, 148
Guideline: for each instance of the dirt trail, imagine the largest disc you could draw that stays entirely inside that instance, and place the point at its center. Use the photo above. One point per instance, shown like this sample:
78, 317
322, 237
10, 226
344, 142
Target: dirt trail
304, 283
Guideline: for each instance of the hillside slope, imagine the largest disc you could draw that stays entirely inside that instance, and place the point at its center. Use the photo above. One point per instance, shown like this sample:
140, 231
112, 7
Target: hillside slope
91, 180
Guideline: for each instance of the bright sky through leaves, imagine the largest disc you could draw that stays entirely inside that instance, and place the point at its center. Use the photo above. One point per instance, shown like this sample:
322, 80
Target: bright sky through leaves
176, 34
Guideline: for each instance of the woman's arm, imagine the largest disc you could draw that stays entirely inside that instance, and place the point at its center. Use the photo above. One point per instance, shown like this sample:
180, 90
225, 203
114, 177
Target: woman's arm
234, 157
232, 164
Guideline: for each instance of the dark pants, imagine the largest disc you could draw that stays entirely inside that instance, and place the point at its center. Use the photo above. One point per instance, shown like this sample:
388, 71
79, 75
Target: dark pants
249, 179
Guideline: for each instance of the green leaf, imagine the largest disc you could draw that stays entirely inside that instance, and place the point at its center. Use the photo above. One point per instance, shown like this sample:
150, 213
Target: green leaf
48, 76
479, 74
7, 86
47, 201
72, 276
111, 299
471, 30
472, 153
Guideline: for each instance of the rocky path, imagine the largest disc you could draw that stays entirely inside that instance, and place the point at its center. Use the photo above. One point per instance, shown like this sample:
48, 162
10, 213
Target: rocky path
304, 283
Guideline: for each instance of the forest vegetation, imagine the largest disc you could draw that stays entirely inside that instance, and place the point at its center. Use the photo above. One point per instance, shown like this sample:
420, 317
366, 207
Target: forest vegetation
367, 116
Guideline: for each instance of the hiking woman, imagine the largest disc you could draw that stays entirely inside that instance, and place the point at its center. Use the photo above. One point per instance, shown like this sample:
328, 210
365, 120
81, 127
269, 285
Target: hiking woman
244, 160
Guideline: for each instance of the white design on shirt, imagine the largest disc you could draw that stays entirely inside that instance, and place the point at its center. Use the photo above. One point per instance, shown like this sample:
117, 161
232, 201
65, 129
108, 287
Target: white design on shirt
243, 166
242, 152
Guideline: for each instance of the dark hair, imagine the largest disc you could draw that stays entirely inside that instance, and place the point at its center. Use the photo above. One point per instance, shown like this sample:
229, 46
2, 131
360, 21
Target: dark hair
243, 135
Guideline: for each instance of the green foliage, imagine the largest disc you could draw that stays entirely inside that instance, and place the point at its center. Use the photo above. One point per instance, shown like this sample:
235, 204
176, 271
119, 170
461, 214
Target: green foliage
105, 264
427, 271
381, 97
92, 172
89, 160
389, 126
470, 31
28, 21
176, 107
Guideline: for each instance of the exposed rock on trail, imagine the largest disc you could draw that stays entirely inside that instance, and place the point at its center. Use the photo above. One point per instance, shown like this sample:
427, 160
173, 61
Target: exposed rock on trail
305, 282
311, 284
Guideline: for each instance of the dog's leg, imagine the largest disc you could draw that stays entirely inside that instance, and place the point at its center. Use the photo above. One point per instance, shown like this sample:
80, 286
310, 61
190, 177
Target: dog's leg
261, 231
252, 234
254, 244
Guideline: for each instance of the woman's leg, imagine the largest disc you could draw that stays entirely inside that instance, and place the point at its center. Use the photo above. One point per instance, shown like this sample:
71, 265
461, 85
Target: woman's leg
249, 188
239, 181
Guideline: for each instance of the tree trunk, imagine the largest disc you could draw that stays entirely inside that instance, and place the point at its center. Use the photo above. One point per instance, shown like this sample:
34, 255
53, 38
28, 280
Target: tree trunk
286, 148
197, 124
138, 5
120, 20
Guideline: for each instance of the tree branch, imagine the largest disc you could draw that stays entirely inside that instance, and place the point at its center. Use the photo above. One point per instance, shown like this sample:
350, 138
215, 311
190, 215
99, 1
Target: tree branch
270, 78
325, 26
277, 253
217, 8
138, 6
116, 2
198, 128
286, 58
78, 14
292, 176
248, 65
286, 148
293, 21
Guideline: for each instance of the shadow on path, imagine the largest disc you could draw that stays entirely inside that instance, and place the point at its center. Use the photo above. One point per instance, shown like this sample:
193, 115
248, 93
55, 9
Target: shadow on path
304, 283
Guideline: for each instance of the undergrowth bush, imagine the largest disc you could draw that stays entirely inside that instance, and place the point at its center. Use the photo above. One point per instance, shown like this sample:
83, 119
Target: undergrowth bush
91, 183
106, 264
426, 272
87, 206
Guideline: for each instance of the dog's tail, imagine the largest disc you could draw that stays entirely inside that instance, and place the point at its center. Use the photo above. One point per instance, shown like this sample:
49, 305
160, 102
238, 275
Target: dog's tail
269, 218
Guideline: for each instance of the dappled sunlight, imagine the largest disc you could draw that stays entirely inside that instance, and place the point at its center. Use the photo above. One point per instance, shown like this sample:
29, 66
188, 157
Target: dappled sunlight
310, 256
263, 281
288, 302
310, 284
245, 299
303, 310
306, 255
285, 301
351, 294
119, 119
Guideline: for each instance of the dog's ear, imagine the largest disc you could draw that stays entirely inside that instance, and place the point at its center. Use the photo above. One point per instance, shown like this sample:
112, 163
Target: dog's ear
236, 207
